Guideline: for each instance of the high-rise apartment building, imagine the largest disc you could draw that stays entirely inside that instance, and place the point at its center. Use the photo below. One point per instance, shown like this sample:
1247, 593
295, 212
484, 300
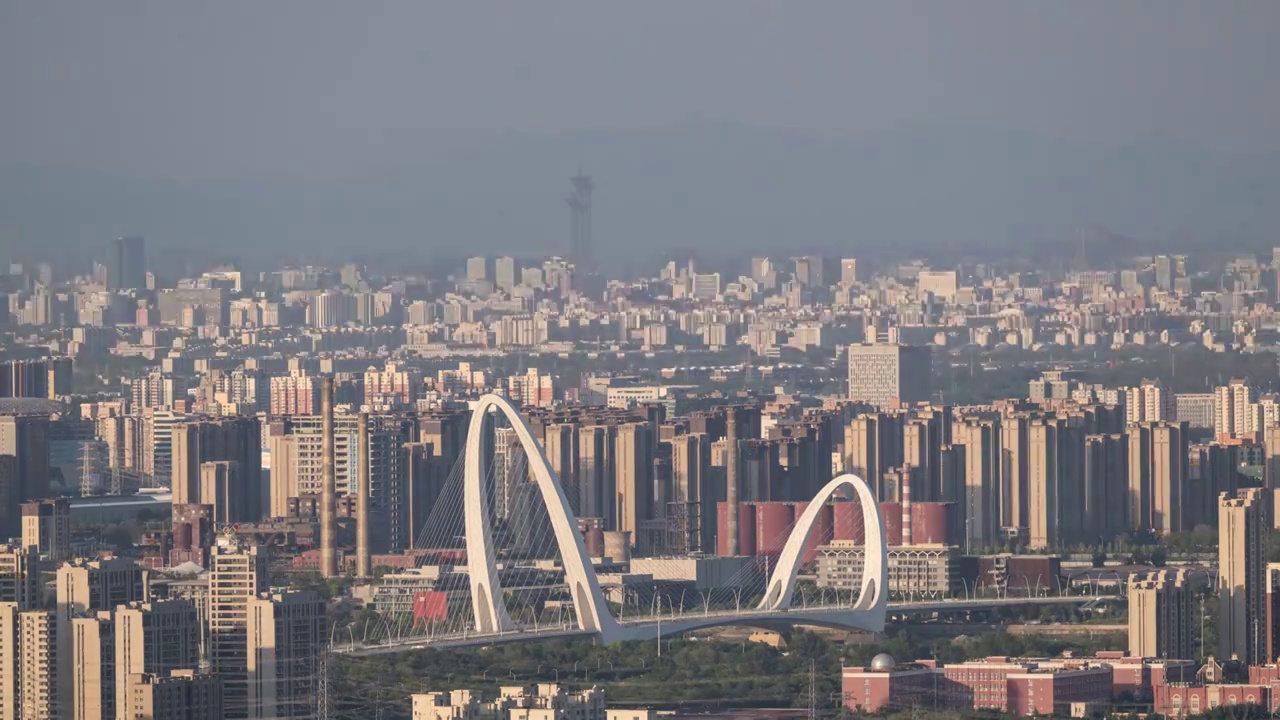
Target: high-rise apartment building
1149, 402
872, 445
39, 690
38, 378
1162, 616
633, 499
286, 646
237, 574
295, 444
980, 439
181, 695
222, 488
297, 393
1158, 477
1106, 487
1244, 524
85, 587
153, 637
889, 375
46, 526
1233, 409
19, 576
1055, 482
93, 676
26, 439
238, 440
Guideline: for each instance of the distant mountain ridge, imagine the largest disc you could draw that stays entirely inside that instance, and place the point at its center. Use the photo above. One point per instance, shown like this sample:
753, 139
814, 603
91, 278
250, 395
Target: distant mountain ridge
721, 190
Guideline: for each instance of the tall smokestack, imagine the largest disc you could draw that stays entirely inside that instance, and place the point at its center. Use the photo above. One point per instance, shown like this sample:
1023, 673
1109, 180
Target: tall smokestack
328, 511
731, 480
907, 534
364, 564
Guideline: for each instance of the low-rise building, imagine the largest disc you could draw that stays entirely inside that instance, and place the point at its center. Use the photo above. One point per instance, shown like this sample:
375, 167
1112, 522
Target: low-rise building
919, 570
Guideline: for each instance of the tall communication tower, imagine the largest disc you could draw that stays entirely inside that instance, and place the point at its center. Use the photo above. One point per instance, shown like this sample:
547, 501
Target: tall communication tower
579, 202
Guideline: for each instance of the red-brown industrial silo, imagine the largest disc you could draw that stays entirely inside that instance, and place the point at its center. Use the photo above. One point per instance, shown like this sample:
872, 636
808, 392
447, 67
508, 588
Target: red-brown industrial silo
929, 523
822, 530
746, 528
847, 522
891, 513
773, 526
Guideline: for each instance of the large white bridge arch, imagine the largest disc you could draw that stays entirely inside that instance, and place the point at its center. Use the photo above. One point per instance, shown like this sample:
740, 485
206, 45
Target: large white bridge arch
591, 608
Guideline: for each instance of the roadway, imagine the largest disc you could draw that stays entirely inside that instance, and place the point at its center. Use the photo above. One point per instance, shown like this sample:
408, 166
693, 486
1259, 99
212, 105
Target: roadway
650, 627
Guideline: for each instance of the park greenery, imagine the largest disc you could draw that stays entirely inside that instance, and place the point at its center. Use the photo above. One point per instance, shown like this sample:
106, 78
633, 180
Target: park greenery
695, 672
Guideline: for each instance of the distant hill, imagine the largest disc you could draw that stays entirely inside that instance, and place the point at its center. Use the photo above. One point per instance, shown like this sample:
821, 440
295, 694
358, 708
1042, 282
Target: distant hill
720, 190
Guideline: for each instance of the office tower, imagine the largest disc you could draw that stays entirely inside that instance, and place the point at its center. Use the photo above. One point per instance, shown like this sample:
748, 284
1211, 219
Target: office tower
890, 375
942, 284
286, 647
26, 438
579, 202
1162, 616
848, 271
155, 638
237, 440
1055, 482
1149, 402
237, 575
46, 526
1244, 524
1158, 470
705, 286
39, 695
506, 273
1233, 409
1106, 487
19, 577
477, 269
182, 695
129, 264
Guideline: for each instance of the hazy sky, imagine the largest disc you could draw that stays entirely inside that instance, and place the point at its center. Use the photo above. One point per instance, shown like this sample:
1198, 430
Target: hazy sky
320, 88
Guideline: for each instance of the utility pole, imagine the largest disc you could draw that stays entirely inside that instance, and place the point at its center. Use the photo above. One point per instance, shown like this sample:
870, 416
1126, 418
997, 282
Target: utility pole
813, 697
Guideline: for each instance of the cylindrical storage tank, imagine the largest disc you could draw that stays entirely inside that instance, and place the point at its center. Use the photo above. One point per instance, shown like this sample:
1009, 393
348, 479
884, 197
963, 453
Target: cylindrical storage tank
822, 530
891, 515
929, 523
773, 526
593, 538
748, 531
847, 522
617, 545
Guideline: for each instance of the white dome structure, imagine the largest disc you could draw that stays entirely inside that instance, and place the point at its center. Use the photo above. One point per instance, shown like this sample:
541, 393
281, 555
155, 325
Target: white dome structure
883, 662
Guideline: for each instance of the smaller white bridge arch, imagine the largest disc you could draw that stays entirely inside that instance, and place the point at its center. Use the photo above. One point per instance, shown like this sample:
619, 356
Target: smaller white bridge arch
873, 599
